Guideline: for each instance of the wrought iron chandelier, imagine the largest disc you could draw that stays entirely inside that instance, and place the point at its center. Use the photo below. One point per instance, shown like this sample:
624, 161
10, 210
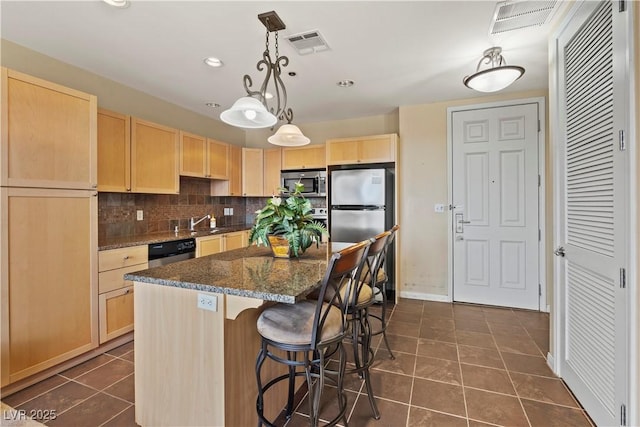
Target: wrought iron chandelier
498, 76
253, 111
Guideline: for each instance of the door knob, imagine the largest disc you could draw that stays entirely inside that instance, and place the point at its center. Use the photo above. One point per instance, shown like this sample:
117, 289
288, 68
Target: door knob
559, 251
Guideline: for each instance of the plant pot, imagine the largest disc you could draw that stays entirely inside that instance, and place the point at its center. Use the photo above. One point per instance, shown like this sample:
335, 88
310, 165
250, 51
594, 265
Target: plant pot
279, 246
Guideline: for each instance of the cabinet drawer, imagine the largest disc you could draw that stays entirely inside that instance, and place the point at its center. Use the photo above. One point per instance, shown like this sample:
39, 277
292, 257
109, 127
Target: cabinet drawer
116, 313
123, 257
112, 279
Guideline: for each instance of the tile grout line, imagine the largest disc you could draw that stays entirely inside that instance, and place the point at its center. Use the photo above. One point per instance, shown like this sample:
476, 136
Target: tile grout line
116, 415
41, 394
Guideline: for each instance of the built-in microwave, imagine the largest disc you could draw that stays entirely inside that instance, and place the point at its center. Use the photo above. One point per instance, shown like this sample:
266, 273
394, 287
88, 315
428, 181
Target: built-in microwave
314, 182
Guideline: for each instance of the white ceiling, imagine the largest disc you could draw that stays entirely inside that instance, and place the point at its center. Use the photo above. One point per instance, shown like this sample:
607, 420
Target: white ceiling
398, 53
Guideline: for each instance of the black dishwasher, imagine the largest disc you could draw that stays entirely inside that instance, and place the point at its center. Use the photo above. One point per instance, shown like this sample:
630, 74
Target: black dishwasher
171, 251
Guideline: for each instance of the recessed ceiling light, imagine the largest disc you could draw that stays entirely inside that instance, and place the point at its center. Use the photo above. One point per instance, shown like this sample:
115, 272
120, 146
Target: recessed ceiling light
212, 104
345, 83
122, 4
214, 62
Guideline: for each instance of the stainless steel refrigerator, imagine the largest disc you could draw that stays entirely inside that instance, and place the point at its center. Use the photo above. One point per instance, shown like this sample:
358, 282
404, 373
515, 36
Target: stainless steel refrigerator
361, 203
362, 206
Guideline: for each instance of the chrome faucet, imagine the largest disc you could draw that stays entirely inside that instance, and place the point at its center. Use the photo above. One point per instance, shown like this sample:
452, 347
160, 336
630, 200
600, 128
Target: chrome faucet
192, 223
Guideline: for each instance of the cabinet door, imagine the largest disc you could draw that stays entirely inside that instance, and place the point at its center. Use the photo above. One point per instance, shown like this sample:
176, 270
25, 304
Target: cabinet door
309, 157
113, 279
235, 240
154, 158
272, 167
252, 172
114, 152
218, 159
116, 313
378, 149
235, 170
209, 245
193, 155
50, 134
49, 269
342, 152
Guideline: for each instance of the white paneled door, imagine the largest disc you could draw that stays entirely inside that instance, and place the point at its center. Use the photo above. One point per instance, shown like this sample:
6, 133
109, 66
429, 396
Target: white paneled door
495, 206
592, 203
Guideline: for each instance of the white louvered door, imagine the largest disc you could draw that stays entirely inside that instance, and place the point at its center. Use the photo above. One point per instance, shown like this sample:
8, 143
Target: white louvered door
593, 207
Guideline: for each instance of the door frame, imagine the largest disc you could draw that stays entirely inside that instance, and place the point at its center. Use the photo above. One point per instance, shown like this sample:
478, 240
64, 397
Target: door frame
633, 301
542, 264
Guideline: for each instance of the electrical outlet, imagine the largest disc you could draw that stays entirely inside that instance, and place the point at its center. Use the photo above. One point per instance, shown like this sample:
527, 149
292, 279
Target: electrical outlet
230, 211
139, 214
439, 207
208, 302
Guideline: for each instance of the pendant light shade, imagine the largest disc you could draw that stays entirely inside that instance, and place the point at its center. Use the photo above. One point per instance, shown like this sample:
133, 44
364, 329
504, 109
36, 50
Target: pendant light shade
288, 136
250, 113
497, 77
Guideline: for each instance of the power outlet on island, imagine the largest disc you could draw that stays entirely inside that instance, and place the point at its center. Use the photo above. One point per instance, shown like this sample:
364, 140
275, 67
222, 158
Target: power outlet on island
208, 302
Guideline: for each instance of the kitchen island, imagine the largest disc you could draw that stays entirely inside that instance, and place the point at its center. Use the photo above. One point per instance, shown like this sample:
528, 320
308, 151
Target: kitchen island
196, 366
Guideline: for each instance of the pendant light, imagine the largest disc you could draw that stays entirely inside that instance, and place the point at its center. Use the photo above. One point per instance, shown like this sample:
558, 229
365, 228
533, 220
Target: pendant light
252, 111
498, 76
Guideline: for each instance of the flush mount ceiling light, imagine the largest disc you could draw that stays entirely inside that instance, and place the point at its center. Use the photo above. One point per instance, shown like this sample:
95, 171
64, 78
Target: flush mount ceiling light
498, 76
253, 111
214, 62
122, 4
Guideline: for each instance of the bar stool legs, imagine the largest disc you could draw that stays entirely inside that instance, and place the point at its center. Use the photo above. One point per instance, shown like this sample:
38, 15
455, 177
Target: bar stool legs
383, 318
363, 354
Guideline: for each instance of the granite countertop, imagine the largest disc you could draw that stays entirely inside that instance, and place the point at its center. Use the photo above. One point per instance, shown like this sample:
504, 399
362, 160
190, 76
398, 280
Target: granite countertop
145, 239
249, 272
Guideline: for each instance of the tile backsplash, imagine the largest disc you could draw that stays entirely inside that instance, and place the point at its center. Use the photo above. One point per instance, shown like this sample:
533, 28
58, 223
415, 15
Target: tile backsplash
117, 212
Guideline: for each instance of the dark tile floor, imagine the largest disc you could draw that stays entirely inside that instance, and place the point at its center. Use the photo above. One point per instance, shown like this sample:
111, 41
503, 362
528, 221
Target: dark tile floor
456, 365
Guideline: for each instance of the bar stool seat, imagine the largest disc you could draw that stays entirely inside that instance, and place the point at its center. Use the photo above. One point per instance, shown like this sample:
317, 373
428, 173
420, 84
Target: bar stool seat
292, 323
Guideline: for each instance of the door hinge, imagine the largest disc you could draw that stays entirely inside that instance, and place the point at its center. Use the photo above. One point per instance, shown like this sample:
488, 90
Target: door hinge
539, 290
622, 5
539, 125
623, 415
621, 144
623, 278
539, 235
539, 180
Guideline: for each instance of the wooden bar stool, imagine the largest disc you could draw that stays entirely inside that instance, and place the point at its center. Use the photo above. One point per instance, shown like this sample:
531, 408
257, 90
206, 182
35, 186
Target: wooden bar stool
379, 286
308, 332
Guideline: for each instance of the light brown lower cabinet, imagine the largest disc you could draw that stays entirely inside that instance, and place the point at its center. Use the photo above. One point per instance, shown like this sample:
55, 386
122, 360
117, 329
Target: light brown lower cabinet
116, 294
49, 272
210, 245
116, 313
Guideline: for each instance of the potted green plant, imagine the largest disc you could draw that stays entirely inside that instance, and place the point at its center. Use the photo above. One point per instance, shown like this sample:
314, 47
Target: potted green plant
287, 225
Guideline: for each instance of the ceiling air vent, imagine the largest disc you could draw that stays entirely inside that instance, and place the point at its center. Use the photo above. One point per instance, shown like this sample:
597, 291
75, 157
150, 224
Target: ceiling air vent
308, 42
515, 15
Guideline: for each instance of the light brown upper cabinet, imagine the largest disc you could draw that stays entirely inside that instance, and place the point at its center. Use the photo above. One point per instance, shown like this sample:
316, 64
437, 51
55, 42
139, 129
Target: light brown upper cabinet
217, 159
272, 167
154, 158
308, 157
368, 149
49, 134
252, 172
233, 185
114, 151
202, 157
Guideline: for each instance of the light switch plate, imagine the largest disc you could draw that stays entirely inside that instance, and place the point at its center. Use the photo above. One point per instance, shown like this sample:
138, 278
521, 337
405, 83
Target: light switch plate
139, 214
439, 208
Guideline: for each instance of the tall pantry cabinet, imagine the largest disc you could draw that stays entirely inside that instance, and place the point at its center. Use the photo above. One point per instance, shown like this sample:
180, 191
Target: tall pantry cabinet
48, 232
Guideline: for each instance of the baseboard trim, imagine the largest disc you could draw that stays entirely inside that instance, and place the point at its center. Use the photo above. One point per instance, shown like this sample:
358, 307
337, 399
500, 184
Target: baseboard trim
425, 297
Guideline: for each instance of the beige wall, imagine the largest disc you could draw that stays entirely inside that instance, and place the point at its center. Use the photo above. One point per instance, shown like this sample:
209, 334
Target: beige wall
319, 132
423, 183
115, 96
